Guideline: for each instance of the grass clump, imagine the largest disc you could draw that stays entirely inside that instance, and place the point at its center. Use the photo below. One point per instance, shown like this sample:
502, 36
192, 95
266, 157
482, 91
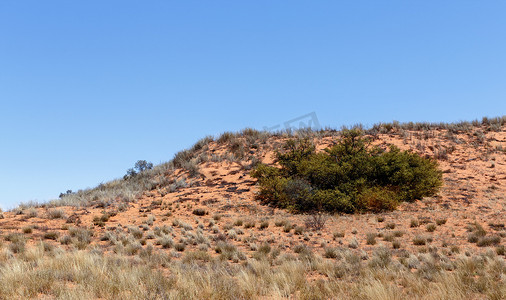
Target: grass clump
348, 177
338, 234
370, 238
135, 232
440, 222
264, 224
298, 230
331, 253
396, 244
414, 223
419, 240
280, 223
390, 226
180, 247
56, 213
488, 241
80, 237
199, 212
100, 220
249, 224
51, 235
431, 227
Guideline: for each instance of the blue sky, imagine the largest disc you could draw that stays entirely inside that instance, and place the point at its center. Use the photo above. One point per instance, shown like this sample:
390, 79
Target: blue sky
88, 88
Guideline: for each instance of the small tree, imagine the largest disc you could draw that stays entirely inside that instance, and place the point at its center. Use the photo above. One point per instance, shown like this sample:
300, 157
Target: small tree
140, 166
68, 192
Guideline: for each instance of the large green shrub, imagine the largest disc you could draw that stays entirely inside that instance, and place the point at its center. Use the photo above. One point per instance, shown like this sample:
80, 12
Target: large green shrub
348, 177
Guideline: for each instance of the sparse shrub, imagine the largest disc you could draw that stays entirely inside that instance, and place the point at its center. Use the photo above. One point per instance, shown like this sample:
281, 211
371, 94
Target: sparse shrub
238, 222
414, 223
27, 229
316, 221
347, 177
380, 219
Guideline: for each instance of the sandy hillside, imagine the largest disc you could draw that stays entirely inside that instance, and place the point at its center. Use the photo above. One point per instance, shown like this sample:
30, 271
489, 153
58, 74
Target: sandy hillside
203, 203
474, 190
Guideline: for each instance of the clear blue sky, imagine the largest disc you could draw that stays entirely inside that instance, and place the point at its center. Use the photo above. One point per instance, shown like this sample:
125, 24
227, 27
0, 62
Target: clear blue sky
89, 87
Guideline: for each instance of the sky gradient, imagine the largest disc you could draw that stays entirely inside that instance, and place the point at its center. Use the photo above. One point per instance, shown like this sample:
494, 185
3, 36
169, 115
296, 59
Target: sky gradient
87, 89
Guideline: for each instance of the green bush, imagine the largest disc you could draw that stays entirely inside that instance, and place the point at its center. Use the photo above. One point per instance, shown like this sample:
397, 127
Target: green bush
351, 176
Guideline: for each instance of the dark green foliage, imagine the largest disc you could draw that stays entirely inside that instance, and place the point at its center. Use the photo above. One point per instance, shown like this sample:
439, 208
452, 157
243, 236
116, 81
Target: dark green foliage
350, 176
140, 166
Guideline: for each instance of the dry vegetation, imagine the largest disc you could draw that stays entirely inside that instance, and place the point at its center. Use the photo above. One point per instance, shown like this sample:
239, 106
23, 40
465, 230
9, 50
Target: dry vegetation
192, 229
